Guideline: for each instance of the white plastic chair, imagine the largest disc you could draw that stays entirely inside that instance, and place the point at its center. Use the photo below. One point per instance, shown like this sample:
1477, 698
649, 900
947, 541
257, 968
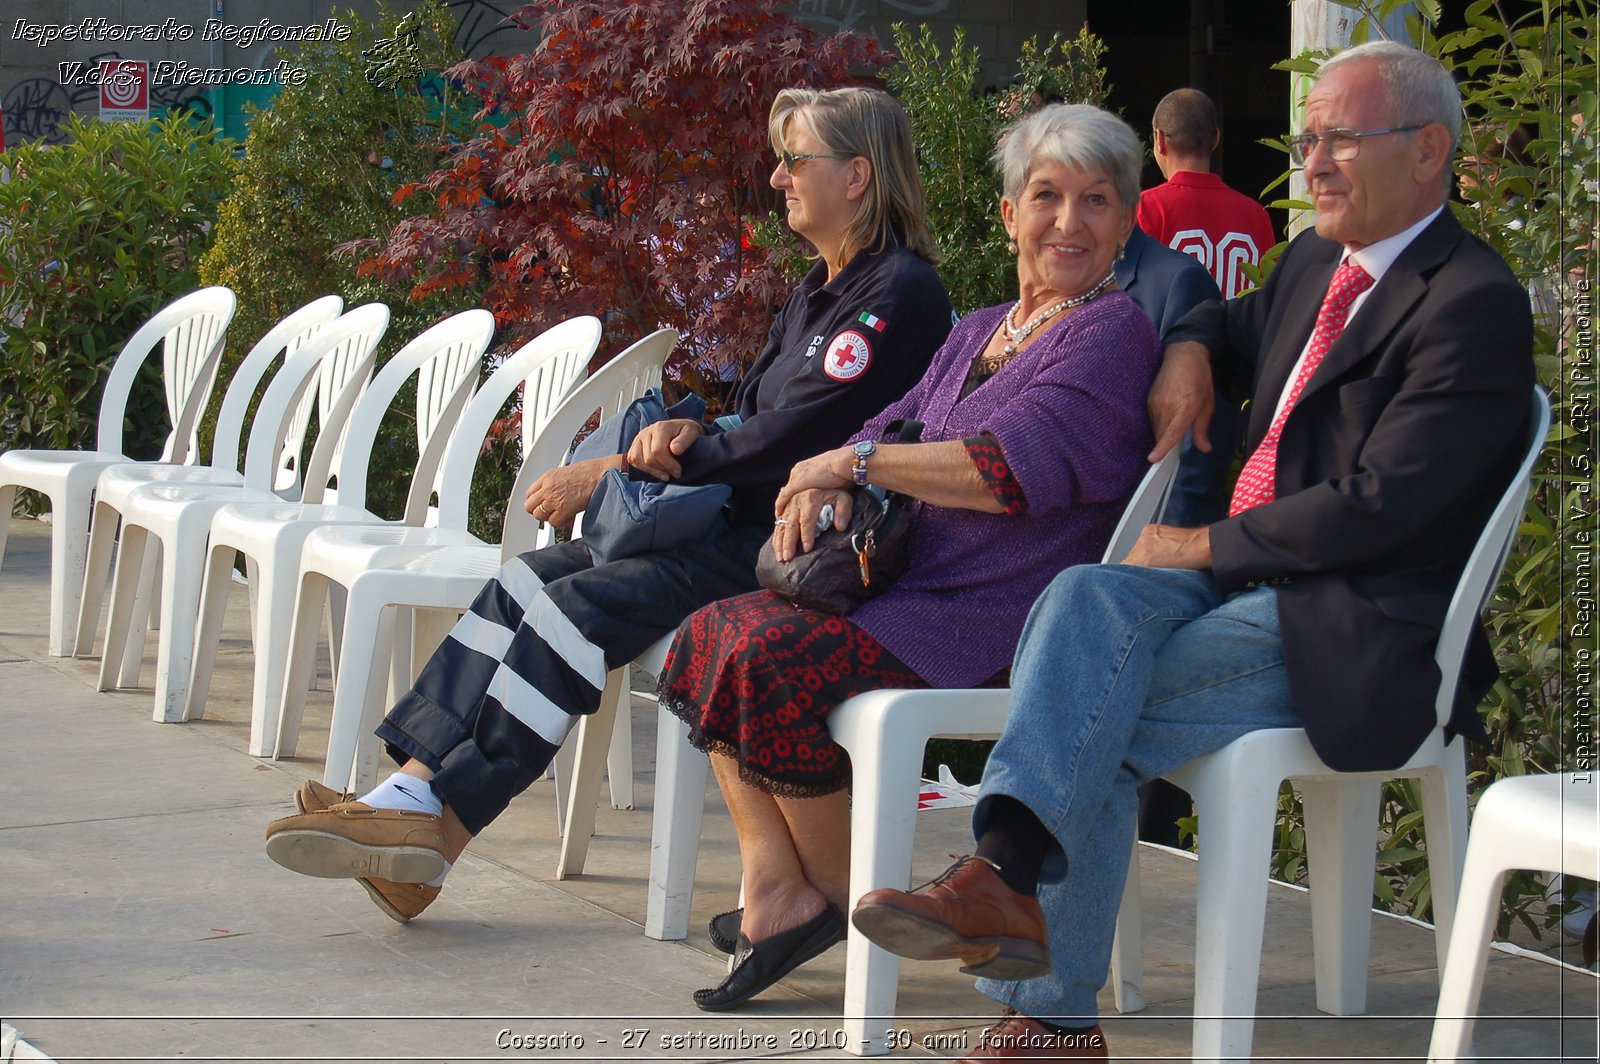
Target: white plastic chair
269, 533
175, 516
441, 569
190, 332
1546, 823
117, 481
1236, 799
885, 733
450, 578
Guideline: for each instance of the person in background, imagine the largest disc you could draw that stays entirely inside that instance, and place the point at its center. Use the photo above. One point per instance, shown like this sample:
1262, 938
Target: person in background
493, 704
1224, 230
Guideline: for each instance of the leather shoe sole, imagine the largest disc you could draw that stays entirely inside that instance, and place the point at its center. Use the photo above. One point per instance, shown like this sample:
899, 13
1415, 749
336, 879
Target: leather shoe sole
352, 841
756, 967
915, 936
724, 930
401, 902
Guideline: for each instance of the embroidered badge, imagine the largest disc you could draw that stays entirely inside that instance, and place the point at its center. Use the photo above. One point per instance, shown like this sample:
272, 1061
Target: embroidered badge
847, 356
872, 321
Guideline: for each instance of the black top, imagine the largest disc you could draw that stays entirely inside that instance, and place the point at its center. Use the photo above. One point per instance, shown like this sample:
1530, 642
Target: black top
837, 354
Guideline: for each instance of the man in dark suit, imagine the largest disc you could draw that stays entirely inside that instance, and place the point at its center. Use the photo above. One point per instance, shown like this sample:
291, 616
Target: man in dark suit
1166, 284
1389, 356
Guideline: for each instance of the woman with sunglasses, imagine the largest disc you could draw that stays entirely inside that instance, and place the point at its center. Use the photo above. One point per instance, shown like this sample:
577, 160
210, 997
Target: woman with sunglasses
492, 706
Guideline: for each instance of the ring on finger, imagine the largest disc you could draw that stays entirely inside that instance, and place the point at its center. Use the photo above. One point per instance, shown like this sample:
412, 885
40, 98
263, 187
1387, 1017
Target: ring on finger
780, 522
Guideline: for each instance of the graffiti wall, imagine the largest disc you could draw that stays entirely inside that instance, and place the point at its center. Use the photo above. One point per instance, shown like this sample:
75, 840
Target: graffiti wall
214, 57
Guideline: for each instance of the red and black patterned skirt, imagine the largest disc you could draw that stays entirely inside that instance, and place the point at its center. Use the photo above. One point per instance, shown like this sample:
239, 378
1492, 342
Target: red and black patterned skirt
755, 678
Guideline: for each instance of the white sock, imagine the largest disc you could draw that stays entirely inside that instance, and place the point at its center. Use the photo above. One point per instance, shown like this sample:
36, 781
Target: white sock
438, 880
401, 791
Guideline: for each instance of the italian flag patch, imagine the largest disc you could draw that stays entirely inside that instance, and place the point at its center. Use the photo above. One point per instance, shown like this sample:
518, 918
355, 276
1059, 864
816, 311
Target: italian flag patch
872, 321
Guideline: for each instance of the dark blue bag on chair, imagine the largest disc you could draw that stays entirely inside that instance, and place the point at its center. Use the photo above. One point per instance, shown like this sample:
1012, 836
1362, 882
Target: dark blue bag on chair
626, 517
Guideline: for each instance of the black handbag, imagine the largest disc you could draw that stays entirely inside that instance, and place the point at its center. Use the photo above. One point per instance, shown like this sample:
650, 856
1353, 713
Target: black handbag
845, 569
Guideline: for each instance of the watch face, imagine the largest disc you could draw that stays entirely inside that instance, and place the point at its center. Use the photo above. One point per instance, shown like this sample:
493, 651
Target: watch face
865, 447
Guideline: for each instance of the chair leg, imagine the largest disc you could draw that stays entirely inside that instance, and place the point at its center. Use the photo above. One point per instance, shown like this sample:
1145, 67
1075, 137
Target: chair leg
1444, 815
1236, 814
593, 740
883, 823
1127, 947
124, 589
146, 590
367, 644
280, 579
215, 587
302, 660
619, 757
1461, 980
180, 602
96, 567
69, 543
1341, 841
681, 774
8, 499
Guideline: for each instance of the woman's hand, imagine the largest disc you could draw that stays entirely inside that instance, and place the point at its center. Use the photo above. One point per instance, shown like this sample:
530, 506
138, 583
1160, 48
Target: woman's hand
656, 448
830, 469
795, 531
560, 494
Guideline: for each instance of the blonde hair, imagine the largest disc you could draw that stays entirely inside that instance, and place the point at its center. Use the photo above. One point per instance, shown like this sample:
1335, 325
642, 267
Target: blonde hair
872, 124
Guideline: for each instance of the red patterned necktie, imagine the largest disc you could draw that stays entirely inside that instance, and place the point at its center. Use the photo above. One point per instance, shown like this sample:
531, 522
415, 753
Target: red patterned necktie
1258, 479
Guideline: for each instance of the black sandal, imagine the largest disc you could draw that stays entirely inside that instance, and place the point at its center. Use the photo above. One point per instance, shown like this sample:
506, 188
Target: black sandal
756, 967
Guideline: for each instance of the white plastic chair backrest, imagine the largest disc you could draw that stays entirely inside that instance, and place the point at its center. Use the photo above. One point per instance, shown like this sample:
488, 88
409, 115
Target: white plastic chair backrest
609, 389
351, 338
283, 338
551, 381
442, 394
191, 330
1483, 567
541, 363
1148, 500
456, 344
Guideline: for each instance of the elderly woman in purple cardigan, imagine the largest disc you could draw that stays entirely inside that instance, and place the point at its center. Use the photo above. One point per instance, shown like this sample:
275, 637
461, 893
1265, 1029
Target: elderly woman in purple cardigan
1034, 439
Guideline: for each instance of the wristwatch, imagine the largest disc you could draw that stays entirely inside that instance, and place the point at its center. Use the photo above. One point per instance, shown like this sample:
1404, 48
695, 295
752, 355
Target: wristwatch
858, 465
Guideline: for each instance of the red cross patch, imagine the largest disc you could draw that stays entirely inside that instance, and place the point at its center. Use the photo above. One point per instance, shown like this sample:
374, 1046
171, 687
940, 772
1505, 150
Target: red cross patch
848, 356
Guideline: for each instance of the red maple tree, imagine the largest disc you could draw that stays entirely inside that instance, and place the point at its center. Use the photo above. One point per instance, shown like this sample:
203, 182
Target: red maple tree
617, 169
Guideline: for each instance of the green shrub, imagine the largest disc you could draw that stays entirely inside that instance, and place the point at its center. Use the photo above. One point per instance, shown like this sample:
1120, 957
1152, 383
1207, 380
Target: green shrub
955, 127
320, 170
98, 233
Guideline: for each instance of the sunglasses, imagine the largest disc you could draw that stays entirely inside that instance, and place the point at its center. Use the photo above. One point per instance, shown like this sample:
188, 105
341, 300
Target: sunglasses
792, 162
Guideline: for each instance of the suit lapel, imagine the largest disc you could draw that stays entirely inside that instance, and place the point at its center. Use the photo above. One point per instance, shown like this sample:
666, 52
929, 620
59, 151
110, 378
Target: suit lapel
1299, 317
1403, 284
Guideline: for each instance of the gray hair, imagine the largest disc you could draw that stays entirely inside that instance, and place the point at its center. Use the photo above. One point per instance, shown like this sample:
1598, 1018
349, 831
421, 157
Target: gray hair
1077, 136
1417, 89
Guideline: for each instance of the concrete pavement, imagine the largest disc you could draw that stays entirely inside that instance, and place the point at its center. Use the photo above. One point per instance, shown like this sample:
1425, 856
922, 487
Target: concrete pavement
140, 918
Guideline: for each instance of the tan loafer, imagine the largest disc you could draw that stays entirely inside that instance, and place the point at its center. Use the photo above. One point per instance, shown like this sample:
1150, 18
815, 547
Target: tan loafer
352, 840
969, 914
313, 797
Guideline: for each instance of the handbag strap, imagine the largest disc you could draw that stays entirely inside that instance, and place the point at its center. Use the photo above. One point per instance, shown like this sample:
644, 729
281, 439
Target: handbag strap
904, 429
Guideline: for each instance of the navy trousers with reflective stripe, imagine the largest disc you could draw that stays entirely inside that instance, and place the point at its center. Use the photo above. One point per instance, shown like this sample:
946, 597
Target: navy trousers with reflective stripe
497, 698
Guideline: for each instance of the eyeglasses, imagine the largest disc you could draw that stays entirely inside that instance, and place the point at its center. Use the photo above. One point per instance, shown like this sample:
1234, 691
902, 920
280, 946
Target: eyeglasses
791, 162
1342, 144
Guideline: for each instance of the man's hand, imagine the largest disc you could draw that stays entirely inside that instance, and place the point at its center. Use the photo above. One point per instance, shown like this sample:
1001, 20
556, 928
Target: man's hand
657, 447
562, 493
1170, 547
1182, 398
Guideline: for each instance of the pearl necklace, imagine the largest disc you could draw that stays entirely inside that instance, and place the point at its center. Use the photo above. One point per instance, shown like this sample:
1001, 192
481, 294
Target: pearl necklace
1015, 334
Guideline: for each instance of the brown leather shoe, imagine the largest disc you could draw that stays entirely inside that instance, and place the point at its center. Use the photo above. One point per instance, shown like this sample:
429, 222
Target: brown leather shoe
399, 901
353, 840
313, 797
1019, 1037
967, 913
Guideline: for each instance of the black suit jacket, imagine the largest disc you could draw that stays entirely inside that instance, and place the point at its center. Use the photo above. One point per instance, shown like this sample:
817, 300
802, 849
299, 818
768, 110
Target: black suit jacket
1388, 468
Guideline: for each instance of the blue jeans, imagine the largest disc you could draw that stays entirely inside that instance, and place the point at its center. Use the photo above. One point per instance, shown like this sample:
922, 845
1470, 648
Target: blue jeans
1123, 673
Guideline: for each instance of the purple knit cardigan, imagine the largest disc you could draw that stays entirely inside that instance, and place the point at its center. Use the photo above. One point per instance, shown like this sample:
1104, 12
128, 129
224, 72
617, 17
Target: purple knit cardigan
1069, 412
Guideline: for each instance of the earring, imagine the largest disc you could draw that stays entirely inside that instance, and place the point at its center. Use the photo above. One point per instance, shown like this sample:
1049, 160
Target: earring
1122, 252
1011, 247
